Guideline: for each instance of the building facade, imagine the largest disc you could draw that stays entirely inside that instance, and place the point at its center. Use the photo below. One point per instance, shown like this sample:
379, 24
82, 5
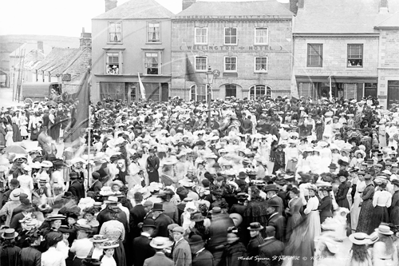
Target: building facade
336, 49
247, 44
130, 41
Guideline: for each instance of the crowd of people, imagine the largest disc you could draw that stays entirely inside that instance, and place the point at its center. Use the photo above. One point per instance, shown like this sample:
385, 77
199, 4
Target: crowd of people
245, 183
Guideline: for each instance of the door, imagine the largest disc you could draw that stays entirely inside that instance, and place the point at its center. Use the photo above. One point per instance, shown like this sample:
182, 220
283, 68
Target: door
165, 92
393, 92
231, 90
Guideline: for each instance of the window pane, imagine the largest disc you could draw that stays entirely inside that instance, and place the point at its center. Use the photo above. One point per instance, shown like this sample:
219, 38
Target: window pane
261, 64
201, 35
261, 35
115, 32
200, 63
355, 55
151, 60
230, 36
231, 90
315, 55
153, 32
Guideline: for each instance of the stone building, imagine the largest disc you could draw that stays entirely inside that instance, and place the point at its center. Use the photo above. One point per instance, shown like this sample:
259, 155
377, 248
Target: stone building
248, 43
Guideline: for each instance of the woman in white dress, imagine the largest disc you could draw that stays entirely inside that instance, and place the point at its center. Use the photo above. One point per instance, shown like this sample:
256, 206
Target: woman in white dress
384, 251
357, 200
26, 181
53, 257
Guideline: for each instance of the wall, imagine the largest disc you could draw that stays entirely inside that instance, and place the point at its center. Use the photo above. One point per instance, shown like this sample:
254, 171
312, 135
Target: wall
335, 56
278, 52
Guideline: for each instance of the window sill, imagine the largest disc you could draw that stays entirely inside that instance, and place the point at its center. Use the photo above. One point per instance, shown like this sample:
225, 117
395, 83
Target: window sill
230, 74
231, 44
114, 43
200, 43
155, 43
260, 72
261, 44
313, 67
354, 67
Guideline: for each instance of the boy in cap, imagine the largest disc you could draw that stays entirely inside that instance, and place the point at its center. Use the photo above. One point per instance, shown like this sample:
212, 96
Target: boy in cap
202, 257
181, 250
256, 240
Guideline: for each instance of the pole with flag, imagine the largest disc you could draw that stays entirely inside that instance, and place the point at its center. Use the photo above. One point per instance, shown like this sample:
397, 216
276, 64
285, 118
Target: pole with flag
331, 97
142, 89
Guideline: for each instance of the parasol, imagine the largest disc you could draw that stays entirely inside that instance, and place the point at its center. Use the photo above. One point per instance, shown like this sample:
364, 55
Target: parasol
15, 149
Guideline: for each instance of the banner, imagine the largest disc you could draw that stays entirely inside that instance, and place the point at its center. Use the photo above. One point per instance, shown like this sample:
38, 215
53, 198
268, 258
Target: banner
142, 89
191, 74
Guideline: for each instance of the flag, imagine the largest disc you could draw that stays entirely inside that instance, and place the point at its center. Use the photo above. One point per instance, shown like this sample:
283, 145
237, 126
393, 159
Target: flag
142, 89
80, 119
294, 87
191, 75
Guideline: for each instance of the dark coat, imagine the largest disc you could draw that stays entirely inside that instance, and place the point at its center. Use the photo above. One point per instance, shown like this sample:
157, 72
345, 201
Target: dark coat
77, 189
31, 257
278, 222
253, 248
203, 258
96, 187
232, 254
137, 214
116, 214
162, 222
270, 249
141, 250
10, 256
218, 231
325, 208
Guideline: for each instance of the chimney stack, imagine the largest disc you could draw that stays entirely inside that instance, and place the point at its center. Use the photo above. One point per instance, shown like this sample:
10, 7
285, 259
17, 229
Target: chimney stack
294, 6
301, 3
188, 3
383, 7
110, 4
85, 39
40, 46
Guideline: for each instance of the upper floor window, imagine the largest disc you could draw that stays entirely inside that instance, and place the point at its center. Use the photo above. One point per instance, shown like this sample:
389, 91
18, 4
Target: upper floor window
230, 36
315, 55
154, 32
201, 63
201, 35
230, 64
261, 64
152, 63
261, 36
355, 55
113, 63
115, 32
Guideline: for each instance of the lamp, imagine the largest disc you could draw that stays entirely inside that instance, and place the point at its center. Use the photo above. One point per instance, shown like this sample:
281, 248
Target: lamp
209, 75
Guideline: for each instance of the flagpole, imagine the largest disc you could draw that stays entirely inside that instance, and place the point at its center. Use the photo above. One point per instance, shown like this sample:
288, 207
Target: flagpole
331, 97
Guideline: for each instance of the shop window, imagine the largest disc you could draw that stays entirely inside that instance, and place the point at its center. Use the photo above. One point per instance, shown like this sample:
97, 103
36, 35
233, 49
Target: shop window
259, 91
355, 55
112, 90
315, 55
198, 93
115, 32
230, 36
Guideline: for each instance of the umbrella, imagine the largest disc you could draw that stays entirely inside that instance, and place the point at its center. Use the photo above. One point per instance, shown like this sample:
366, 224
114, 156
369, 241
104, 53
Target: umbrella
15, 149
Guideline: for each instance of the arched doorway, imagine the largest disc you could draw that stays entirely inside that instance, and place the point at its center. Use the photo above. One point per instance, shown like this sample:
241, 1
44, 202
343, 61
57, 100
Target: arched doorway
259, 91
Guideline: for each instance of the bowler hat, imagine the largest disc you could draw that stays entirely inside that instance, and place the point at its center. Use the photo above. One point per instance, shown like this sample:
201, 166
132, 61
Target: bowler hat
149, 223
255, 227
158, 207
195, 240
271, 187
273, 203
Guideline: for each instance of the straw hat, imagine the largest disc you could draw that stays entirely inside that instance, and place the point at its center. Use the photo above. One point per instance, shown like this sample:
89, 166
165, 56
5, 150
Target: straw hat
359, 238
99, 238
160, 242
9, 234
384, 230
109, 244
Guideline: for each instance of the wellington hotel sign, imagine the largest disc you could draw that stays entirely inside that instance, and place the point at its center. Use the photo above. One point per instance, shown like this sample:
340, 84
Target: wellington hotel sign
235, 49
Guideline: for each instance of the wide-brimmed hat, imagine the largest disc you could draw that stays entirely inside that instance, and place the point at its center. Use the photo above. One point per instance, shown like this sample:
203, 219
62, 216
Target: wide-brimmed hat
273, 203
384, 230
255, 227
236, 217
332, 166
195, 240
15, 194
373, 237
359, 238
117, 183
109, 244
160, 242
9, 233
149, 223
111, 200
170, 161
47, 164
197, 217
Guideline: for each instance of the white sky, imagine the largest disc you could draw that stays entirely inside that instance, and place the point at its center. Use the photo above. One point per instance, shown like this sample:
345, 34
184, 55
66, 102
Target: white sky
58, 17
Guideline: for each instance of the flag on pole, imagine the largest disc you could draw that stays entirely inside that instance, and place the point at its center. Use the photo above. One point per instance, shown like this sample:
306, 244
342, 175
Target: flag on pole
142, 89
331, 97
294, 87
191, 74
80, 119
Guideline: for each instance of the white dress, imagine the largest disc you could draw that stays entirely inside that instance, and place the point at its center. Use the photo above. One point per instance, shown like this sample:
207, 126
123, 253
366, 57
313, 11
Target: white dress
26, 185
53, 257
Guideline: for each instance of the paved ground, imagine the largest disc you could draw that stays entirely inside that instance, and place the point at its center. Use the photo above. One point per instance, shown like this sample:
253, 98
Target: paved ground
6, 98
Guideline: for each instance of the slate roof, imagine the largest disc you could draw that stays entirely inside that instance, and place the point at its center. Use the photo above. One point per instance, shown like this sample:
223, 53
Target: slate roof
390, 19
337, 16
244, 8
137, 9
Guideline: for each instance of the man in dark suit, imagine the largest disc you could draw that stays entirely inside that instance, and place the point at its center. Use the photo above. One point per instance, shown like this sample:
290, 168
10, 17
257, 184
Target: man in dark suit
161, 220
200, 256
256, 240
141, 245
271, 192
97, 185
325, 206
76, 188
137, 214
275, 219
271, 248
